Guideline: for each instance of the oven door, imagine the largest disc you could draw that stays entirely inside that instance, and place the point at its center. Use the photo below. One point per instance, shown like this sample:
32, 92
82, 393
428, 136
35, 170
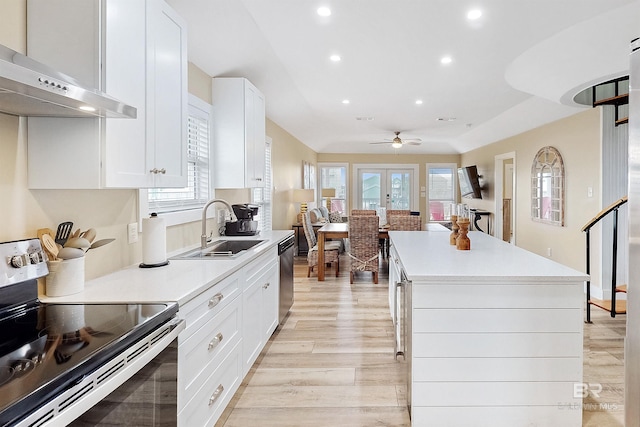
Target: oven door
137, 387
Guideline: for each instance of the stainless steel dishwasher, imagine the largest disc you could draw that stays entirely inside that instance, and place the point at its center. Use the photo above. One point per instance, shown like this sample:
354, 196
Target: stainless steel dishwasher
285, 252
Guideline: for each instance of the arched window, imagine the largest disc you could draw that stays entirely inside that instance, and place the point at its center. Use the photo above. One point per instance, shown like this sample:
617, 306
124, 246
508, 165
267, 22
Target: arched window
547, 187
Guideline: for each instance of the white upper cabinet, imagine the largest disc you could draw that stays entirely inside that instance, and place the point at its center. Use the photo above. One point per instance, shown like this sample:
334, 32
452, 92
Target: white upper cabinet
134, 51
238, 133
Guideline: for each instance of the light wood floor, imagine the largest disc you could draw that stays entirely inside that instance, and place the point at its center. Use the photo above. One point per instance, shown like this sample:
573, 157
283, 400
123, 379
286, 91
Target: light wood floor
332, 364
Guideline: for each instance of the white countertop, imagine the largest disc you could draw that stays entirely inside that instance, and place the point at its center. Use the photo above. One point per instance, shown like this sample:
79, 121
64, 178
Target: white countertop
427, 256
179, 281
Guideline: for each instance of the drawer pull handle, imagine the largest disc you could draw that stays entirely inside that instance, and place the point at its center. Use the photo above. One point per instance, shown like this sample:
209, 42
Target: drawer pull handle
216, 394
215, 341
215, 300
266, 285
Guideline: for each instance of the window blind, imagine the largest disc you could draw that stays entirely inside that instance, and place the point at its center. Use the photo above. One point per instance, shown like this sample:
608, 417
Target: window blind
196, 193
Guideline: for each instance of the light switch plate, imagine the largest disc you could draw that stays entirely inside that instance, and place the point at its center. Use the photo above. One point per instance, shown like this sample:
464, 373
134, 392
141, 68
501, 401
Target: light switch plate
132, 232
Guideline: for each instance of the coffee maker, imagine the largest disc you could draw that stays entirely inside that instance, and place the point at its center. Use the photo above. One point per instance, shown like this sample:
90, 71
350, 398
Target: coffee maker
245, 225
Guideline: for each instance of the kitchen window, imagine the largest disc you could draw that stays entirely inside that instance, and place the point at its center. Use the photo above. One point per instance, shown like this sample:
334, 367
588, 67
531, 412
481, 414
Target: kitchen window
441, 182
334, 176
196, 193
261, 196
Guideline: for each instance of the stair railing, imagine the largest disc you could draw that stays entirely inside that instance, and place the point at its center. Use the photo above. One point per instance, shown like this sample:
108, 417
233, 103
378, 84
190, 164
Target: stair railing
587, 228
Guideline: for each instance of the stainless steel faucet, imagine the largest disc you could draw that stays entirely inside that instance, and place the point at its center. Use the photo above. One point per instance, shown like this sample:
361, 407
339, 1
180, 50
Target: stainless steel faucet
204, 237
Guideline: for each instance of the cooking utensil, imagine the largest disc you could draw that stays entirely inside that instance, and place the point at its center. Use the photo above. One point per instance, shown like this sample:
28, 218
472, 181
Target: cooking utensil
75, 233
63, 232
100, 242
77, 242
70, 253
90, 234
50, 246
42, 231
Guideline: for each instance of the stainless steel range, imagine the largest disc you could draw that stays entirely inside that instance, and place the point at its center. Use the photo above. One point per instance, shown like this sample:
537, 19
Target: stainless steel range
59, 360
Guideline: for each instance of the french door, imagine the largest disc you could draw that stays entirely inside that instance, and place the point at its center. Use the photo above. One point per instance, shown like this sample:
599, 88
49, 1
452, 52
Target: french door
386, 188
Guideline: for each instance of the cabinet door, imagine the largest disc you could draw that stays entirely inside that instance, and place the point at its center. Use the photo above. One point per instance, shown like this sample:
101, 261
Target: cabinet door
124, 74
167, 95
251, 325
238, 133
270, 295
255, 110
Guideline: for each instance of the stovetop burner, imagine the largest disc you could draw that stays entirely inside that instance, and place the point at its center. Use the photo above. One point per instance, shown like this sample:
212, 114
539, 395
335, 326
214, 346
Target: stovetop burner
45, 348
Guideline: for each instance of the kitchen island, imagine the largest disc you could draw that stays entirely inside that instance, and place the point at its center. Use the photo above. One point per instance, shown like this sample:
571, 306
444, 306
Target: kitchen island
492, 336
230, 306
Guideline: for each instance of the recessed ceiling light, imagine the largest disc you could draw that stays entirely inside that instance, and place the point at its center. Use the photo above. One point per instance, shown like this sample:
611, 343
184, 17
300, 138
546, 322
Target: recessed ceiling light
324, 11
474, 14
419, 102
446, 60
345, 101
335, 58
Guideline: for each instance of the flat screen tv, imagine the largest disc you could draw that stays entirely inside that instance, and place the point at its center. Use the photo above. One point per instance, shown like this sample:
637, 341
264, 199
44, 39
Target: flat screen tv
469, 182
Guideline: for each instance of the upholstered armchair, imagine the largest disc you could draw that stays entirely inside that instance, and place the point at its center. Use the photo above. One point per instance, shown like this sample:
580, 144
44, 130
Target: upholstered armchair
363, 253
331, 248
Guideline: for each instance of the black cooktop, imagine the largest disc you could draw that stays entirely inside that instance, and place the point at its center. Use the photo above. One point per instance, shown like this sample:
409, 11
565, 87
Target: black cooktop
46, 348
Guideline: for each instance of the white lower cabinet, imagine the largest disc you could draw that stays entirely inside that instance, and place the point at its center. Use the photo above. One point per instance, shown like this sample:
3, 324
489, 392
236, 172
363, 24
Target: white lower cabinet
227, 327
260, 308
216, 392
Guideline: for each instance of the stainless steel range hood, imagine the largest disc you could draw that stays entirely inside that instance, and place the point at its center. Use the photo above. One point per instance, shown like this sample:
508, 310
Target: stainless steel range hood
30, 88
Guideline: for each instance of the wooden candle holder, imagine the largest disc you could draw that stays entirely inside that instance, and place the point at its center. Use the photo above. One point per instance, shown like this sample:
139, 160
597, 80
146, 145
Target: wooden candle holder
454, 227
463, 243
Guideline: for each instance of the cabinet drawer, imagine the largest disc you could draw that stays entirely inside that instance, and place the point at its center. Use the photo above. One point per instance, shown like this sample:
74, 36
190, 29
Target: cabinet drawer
202, 308
218, 389
256, 268
208, 345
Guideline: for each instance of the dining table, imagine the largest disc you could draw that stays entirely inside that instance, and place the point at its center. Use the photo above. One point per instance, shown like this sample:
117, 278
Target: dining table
336, 230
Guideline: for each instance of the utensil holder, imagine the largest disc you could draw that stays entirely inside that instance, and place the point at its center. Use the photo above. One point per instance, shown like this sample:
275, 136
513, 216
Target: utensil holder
65, 277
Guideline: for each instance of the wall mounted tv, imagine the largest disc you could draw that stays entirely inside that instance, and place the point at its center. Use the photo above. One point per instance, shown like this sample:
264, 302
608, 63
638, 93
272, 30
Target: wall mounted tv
468, 179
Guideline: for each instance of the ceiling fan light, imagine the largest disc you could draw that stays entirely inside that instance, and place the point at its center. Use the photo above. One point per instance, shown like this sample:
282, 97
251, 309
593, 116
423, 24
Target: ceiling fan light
396, 144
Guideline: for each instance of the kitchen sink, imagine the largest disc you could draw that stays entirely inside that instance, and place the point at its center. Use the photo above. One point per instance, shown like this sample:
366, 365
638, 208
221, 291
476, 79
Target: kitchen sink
221, 249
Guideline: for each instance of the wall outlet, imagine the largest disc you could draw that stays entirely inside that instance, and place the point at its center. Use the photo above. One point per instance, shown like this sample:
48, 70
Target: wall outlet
132, 232
549, 252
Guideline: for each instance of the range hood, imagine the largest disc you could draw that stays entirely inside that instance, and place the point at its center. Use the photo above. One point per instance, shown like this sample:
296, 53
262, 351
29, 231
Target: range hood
30, 88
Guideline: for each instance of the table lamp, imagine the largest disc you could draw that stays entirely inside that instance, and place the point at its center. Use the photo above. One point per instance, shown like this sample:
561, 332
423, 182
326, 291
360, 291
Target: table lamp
302, 196
329, 193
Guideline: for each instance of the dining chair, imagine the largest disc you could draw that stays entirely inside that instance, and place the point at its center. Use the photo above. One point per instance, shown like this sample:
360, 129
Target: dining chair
405, 222
398, 212
359, 212
331, 248
363, 236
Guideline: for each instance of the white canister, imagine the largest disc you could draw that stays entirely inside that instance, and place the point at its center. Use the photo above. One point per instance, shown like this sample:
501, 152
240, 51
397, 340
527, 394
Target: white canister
66, 277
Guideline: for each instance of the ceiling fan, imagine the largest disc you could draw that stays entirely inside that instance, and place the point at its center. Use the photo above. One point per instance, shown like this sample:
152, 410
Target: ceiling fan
397, 142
